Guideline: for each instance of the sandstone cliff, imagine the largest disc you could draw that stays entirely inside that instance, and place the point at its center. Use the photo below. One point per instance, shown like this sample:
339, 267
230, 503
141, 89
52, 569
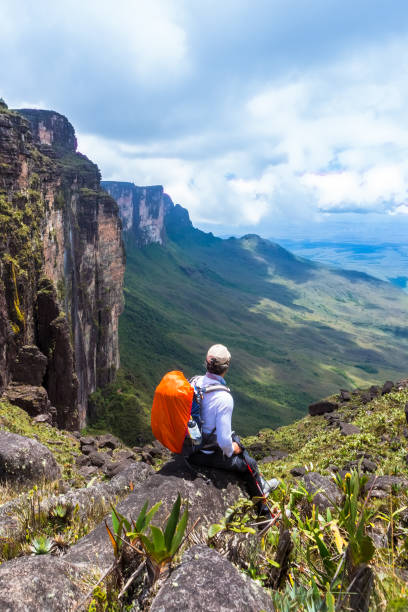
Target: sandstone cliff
143, 211
61, 264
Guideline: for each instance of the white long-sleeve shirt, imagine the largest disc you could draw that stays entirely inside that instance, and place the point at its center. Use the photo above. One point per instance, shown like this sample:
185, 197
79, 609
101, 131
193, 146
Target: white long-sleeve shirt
216, 412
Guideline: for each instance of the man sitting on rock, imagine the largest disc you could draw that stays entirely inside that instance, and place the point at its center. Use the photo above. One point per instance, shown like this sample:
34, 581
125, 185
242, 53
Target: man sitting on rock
216, 414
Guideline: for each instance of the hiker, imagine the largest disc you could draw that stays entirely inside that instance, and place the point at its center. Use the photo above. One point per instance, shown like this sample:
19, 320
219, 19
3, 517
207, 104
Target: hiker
224, 450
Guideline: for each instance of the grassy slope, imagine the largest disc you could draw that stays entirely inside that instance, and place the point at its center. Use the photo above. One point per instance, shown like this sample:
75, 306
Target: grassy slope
297, 331
311, 443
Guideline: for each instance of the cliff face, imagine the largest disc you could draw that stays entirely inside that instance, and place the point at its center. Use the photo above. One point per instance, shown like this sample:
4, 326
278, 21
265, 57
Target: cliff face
143, 211
61, 262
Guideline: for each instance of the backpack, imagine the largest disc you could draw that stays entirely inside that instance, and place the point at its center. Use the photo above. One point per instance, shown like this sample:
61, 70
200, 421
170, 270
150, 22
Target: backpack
176, 401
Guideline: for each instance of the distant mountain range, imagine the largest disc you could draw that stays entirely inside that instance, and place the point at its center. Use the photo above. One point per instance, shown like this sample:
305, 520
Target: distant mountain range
297, 330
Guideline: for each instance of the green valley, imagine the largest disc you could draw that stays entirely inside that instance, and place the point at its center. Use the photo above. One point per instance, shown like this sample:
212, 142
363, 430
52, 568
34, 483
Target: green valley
297, 330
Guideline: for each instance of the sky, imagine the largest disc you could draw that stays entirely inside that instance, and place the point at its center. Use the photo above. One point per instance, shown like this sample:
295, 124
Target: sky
284, 118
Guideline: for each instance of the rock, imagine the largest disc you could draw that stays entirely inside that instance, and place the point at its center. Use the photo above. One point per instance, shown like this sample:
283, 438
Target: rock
98, 459
113, 468
387, 387
147, 458
276, 455
88, 470
380, 538
325, 491
345, 395
30, 366
332, 418
42, 418
332, 468
205, 580
374, 391
108, 441
82, 460
123, 455
403, 517
405, 432
87, 450
402, 384
322, 407
364, 465
366, 397
152, 451
87, 441
24, 460
43, 582
382, 486
208, 499
34, 400
406, 412
88, 499
347, 429
298, 471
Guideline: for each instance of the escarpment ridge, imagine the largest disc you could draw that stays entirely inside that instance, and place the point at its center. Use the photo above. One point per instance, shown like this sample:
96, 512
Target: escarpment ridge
61, 268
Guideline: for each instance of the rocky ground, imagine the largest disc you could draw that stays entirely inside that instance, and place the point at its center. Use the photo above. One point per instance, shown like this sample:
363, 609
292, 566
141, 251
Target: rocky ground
337, 538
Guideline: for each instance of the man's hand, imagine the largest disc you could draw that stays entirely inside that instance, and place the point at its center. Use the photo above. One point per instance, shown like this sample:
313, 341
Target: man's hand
237, 448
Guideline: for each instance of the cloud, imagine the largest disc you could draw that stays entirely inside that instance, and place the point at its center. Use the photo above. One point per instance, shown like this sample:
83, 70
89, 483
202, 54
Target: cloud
249, 114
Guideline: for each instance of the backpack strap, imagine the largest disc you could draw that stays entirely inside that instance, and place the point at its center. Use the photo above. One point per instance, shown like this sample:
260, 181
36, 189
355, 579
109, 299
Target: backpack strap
217, 387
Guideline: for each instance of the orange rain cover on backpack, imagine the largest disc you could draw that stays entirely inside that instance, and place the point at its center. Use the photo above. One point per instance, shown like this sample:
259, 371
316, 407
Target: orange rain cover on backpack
171, 410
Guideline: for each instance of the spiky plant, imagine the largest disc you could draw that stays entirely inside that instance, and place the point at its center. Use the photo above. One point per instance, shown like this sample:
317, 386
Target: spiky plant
41, 545
59, 512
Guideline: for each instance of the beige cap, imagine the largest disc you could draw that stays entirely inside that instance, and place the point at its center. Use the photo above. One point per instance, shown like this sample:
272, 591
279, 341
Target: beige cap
219, 353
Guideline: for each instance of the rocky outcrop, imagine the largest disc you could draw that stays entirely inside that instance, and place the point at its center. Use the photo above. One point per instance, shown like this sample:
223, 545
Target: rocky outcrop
30, 366
61, 263
40, 583
207, 581
209, 496
34, 400
322, 407
142, 209
87, 499
325, 492
25, 461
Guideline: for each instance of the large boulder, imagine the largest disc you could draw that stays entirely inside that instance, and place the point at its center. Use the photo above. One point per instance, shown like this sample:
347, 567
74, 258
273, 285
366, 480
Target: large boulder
205, 580
26, 461
387, 387
209, 496
322, 407
347, 429
383, 486
209, 493
326, 493
41, 583
30, 366
34, 400
87, 499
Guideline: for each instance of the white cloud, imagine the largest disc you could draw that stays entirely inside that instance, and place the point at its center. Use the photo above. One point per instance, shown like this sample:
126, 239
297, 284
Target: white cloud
242, 135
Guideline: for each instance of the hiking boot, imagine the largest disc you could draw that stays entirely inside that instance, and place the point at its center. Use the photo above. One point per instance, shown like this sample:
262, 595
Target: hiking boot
269, 485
